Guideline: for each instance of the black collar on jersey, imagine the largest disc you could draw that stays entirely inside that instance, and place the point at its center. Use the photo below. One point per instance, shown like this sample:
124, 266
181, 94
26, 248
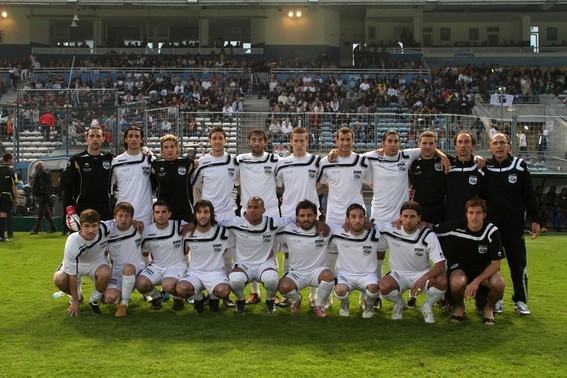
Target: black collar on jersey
268, 226
315, 158
382, 159
131, 162
124, 237
175, 229
218, 230
269, 157
421, 236
357, 158
369, 234
102, 231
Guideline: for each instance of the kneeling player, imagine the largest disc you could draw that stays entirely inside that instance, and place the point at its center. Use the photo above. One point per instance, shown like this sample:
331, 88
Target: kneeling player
474, 250
307, 250
84, 256
357, 261
124, 248
163, 240
206, 271
410, 252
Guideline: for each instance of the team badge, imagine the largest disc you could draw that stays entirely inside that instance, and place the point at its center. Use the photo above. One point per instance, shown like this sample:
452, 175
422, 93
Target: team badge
268, 170
318, 243
473, 180
181, 170
267, 238
161, 169
217, 248
106, 164
438, 167
418, 252
357, 175
146, 171
311, 174
366, 250
482, 249
231, 172
138, 242
512, 178
87, 165
176, 244
401, 167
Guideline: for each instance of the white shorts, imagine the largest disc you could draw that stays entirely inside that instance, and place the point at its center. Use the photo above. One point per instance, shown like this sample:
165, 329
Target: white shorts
304, 279
89, 269
356, 281
116, 279
254, 271
156, 273
205, 280
406, 280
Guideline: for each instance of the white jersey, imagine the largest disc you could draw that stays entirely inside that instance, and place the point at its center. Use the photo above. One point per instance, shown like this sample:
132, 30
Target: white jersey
254, 242
131, 173
345, 178
298, 176
306, 248
124, 246
258, 178
215, 178
410, 253
357, 254
390, 182
79, 251
207, 249
165, 245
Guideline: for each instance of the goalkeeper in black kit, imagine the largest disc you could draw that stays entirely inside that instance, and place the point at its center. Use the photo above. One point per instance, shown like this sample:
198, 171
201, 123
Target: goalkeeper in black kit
86, 180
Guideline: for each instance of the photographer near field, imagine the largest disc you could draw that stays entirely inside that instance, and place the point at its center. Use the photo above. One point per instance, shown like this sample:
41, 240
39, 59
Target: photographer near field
42, 190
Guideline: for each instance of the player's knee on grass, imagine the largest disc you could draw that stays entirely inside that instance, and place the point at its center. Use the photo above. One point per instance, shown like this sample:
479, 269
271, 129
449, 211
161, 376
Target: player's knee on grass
237, 280
112, 296
144, 285
496, 283
286, 285
61, 280
269, 278
129, 270
372, 290
168, 285
221, 291
341, 291
440, 282
184, 289
326, 275
458, 280
387, 284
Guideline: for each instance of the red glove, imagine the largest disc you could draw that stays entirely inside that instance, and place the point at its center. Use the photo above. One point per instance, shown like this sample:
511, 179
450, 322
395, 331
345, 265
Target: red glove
72, 219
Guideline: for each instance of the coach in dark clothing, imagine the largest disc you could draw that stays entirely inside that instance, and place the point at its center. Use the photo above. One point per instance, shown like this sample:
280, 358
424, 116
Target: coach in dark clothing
510, 193
42, 189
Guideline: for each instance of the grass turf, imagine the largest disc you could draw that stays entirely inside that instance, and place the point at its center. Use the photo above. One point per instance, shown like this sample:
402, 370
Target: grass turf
38, 339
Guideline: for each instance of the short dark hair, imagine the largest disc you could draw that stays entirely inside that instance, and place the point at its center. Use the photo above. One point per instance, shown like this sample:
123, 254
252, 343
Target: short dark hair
473, 137
89, 216
305, 204
7, 157
258, 132
125, 207
475, 201
411, 205
161, 203
217, 129
354, 206
390, 132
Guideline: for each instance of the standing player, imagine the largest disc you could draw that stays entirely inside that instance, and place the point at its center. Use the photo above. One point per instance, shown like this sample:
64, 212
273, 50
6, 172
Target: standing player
131, 174
410, 252
510, 194
307, 250
124, 250
86, 180
84, 256
357, 262
8, 193
255, 261
473, 250
214, 179
258, 179
164, 242
297, 174
170, 176
206, 271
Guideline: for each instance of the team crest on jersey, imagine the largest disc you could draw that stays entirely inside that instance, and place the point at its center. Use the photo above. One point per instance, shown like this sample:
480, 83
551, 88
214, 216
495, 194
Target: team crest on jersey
106, 164
438, 167
482, 249
217, 248
138, 242
176, 244
473, 180
401, 166
231, 172
357, 175
267, 170
366, 250
161, 169
311, 174
267, 238
146, 171
181, 170
319, 243
512, 178
419, 252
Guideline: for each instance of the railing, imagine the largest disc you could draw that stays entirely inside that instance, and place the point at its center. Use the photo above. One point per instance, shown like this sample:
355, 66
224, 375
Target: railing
203, 51
349, 72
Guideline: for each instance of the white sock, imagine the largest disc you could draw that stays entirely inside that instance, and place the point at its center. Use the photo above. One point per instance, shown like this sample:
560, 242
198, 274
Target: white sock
255, 287
213, 297
197, 297
238, 283
292, 295
128, 283
325, 289
95, 296
434, 295
285, 265
314, 291
394, 296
